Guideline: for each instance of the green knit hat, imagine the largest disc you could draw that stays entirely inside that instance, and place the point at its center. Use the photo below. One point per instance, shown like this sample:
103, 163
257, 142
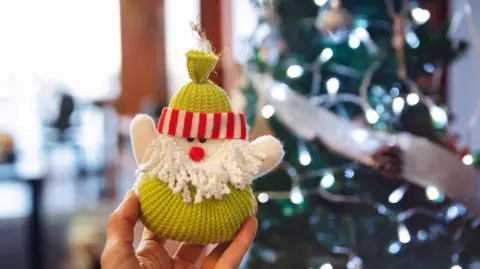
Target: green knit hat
201, 95
201, 109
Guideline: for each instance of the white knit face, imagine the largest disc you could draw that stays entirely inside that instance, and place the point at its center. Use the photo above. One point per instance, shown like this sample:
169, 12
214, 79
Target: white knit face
210, 146
232, 162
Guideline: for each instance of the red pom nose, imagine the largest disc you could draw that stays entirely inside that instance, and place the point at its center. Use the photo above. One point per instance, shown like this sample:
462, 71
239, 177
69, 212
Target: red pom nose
196, 154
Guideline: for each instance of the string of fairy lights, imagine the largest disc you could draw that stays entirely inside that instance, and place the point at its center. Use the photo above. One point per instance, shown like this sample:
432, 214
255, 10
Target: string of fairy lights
358, 36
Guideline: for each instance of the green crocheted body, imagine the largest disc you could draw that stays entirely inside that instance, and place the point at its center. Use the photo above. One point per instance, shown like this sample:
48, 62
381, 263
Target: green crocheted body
208, 222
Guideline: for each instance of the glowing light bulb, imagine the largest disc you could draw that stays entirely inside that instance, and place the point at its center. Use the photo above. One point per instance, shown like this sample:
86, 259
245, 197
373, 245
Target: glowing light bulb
372, 116
387, 99
432, 193
422, 235
362, 23
326, 266
354, 41
412, 40
296, 195
268, 111
292, 171
378, 90
294, 71
380, 108
263, 197
455, 211
397, 105
320, 2
352, 264
269, 255
304, 157
439, 116
279, 91
397, 195
360, 135
452, 212
467, 159
326, 54
362, 33
420, 15
403, 234
382, 209
339, 249
430, 68
327, 181
333, 84
394, 91
456, 266
349, 173
412, 99
394, 248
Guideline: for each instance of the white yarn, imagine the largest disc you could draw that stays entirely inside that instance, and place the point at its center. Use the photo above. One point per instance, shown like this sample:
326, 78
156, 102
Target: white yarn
202, 41
235, 162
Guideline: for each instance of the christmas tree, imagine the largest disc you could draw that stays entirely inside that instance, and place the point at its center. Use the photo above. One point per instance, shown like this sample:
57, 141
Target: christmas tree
319, 70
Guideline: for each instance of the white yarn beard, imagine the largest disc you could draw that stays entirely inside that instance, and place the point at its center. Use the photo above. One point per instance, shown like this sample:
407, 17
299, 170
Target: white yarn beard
235, 162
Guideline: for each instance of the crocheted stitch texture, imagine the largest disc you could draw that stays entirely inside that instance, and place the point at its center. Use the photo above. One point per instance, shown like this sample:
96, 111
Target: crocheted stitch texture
201, 95
211, 221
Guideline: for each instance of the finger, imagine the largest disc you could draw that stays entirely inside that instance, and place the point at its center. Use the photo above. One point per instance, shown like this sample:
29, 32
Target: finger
151, 250
123, 219
119, 246
150, 236
212, 258
233, 255
153, 255
189, 252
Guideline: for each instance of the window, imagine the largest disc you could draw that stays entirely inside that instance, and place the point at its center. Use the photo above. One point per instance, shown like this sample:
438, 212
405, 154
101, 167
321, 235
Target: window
57, 42
49, 44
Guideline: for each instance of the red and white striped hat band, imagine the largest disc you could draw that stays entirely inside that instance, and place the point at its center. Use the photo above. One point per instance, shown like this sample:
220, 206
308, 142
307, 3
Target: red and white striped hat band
202, 125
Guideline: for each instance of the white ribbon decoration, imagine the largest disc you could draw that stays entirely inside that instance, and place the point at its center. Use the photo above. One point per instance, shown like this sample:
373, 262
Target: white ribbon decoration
426, 164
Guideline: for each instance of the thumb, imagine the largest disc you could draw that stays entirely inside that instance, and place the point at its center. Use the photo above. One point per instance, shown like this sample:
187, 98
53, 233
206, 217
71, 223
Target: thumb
119, 252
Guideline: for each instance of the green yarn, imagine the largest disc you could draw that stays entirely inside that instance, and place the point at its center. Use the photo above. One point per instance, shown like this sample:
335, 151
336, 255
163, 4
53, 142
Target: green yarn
207, 97
201, 95
211, 221
200, 64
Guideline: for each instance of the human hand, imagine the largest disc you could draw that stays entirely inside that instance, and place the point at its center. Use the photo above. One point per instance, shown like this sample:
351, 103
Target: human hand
119, 252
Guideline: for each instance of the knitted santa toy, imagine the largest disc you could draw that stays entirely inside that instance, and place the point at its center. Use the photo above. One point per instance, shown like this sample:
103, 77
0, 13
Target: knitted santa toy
196, 167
